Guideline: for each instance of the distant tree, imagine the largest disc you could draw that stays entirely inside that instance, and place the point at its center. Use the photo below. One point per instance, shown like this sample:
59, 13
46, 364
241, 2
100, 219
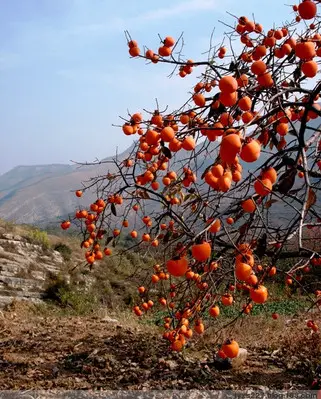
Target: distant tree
226, 186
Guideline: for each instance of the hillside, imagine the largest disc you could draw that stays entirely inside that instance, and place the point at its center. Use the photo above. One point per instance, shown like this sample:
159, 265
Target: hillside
44, 193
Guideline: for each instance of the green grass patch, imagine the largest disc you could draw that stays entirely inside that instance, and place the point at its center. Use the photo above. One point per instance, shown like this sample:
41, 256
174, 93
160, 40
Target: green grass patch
38, 237
286, 307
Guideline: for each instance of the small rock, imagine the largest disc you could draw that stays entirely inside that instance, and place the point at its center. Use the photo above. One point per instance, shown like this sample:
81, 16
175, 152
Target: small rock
146, 373
99, 362
275, 352
240, 359
55, 371
287, 385
171, 364
108, 319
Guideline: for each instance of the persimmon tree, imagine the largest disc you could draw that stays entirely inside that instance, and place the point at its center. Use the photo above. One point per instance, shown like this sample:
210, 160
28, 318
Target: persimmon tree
225, 187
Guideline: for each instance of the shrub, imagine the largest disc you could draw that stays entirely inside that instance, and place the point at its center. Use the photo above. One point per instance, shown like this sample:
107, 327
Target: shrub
64, 249
39, 237
70, 295
55, 285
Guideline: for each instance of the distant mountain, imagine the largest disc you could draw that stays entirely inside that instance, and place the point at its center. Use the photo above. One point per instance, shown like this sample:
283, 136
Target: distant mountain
44, 193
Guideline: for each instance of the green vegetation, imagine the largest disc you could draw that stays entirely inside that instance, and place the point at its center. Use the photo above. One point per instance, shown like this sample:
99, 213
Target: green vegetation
285, 307
113, 284
39, 237
64, 249
70, 297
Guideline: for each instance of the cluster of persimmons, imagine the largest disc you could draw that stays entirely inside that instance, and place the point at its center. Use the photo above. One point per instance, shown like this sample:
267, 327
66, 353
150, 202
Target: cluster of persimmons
241, 106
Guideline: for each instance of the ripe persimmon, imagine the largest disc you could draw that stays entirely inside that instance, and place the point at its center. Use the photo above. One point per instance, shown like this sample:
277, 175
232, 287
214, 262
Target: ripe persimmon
248, 205
155, 185
228, 99
152, 137
263, 187
141, 289
258, 67
65, 225
201, 252
259, 52
217, 170
169, 41
245, 257
242, 271
307, 9
216, 226
214, 311
269, 173
265, 79
247, 116
107, 251
199, 99
228, 84
231, 348
167, 134
259, 294
227, 300
146, 237
243, 80
199, 327
305, 50
245, 103
224, 182
134, 51
252, 280
164, 51
309, 68
128, 129
188, 143
184, 119
250, 151
175, 145
230, 147
177, 267
177, 345
282, 128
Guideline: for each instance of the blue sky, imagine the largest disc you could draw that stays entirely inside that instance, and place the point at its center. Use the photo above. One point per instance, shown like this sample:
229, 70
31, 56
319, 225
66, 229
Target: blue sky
66, 76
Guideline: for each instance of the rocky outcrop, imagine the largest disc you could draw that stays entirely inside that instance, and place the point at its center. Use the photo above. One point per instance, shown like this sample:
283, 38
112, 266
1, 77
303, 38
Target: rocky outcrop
25, 268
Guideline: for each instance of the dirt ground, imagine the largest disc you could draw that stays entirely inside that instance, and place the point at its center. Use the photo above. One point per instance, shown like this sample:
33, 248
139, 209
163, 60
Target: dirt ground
94, 352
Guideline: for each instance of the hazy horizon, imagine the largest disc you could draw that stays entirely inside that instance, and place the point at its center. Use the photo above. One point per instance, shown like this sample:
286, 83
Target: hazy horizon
66, 75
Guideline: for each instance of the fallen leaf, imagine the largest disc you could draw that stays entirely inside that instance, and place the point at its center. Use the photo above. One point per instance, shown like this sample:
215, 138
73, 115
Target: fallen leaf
311, 198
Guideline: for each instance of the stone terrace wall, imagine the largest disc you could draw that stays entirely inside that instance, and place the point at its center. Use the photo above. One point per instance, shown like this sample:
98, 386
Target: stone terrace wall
24, 269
